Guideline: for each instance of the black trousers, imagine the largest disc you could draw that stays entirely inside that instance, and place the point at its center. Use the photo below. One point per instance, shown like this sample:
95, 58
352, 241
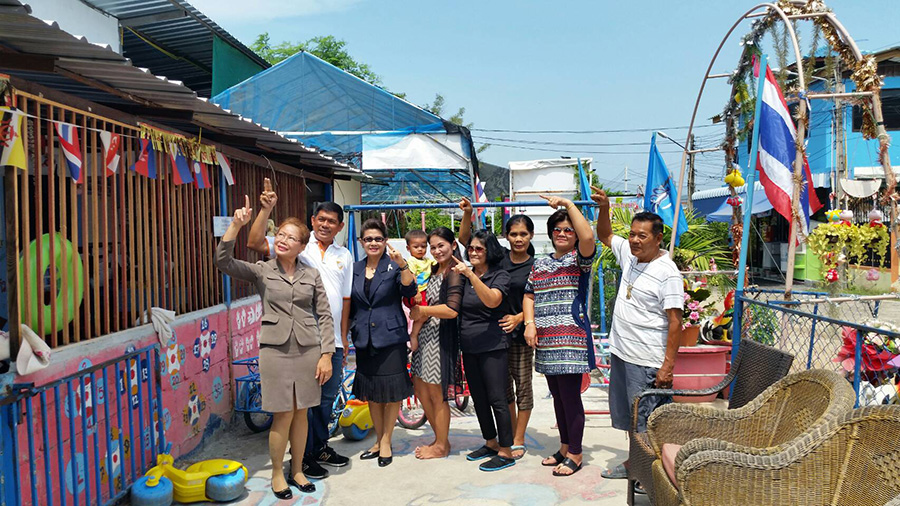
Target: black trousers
487, 374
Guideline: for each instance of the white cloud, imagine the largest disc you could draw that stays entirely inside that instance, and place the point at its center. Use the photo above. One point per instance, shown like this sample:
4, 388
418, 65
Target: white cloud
225, 11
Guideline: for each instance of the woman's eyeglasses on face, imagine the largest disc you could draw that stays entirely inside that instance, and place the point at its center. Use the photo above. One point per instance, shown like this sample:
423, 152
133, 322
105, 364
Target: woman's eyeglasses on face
371, 239
476, 249
566, 230
284, 237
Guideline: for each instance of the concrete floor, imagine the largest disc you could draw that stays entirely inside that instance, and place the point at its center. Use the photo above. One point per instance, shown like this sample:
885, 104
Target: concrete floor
452, 480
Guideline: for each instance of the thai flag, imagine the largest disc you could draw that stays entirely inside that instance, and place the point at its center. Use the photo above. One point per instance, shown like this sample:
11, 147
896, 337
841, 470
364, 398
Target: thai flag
181, 171
111, 157
777, 151
146, 162
201, 176
68, 141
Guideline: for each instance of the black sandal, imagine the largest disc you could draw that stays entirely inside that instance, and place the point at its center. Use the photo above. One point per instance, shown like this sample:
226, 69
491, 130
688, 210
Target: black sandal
482, 453
558, 457
571, 465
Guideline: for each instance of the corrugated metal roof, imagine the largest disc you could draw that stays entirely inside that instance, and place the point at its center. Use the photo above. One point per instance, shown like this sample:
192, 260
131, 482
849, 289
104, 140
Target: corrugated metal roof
723, 191
176, 27
26, 34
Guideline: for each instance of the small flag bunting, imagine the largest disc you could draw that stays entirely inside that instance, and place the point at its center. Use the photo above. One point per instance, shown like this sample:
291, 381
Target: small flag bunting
180, 169
146, 162
12, 145
111, 156
226, 168
201, 176
68, 141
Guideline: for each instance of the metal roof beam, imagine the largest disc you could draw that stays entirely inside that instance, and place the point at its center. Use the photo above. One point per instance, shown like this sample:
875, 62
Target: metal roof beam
154, 18
27, 62
162, 113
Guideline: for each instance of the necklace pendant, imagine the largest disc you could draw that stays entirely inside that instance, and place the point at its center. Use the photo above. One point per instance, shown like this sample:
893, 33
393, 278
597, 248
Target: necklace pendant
628, 292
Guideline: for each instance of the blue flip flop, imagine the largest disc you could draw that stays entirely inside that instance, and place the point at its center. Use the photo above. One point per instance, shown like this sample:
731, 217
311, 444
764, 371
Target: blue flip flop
497, 463
519, 447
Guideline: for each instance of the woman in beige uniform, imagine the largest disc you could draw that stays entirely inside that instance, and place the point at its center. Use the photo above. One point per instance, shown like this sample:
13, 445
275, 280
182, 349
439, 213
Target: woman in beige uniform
294, 349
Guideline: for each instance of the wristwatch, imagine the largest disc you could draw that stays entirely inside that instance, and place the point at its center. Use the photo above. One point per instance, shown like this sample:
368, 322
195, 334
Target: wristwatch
528, 322
404, 267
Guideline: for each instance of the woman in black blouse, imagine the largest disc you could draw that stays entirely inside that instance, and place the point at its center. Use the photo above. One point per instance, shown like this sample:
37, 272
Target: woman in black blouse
484, 344
517, 261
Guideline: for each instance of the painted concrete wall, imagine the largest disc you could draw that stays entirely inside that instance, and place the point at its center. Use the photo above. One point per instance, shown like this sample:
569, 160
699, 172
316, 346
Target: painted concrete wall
197, 394
78, 19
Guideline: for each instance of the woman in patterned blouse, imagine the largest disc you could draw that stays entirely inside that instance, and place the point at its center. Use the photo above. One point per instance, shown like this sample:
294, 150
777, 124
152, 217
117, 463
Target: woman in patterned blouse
557, 326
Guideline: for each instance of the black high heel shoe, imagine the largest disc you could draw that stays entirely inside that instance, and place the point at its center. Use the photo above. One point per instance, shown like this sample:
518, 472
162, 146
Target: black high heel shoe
308, 488
386, 461
368, 455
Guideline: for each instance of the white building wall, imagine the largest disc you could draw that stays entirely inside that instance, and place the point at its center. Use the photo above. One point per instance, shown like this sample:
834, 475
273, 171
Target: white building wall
78, 19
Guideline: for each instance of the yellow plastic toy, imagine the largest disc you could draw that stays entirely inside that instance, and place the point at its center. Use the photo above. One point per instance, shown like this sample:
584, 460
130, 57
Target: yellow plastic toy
355, 420
218, 480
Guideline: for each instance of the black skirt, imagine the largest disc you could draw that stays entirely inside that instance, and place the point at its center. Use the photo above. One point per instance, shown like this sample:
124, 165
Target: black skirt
382, 375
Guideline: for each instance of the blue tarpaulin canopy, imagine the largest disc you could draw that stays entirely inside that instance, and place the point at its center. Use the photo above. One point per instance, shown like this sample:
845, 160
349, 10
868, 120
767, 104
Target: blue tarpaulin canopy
413, 154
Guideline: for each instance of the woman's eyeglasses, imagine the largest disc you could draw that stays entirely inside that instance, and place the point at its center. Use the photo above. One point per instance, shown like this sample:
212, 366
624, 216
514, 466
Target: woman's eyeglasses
476, 249
371, 239
566, 230
284, 237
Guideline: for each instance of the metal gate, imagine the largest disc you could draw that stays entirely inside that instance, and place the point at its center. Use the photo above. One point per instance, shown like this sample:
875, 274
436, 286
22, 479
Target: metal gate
83, 439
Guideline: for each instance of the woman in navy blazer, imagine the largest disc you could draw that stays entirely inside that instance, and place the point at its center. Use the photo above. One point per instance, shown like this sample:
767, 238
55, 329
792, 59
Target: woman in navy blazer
379, 332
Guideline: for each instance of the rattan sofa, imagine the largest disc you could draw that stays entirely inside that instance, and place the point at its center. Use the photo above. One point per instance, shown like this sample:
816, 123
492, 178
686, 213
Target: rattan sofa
755, 368
796, 404
852, 460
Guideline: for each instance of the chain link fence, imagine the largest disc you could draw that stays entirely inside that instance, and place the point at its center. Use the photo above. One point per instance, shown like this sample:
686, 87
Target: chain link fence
824, 335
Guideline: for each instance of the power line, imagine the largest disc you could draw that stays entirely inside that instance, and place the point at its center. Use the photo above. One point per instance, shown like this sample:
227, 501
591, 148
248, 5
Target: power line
550, 143
623, 130
585, 152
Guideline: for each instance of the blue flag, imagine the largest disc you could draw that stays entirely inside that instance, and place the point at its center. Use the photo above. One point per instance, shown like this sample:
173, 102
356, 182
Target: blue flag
660, 194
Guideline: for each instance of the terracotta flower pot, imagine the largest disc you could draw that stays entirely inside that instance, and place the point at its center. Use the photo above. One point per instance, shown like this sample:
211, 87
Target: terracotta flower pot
689, 336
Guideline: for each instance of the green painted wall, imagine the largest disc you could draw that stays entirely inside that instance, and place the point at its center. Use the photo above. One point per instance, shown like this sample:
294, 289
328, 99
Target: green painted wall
230, 66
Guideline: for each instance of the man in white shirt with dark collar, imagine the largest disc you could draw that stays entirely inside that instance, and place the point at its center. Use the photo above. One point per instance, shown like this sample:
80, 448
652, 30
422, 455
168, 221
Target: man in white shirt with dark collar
335, 265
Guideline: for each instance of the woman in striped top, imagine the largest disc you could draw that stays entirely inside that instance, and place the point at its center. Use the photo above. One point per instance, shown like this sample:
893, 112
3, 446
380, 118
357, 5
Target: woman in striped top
557, 326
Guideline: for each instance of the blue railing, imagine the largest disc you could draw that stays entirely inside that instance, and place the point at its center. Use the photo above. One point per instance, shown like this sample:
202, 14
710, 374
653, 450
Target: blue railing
73, 440
827, 335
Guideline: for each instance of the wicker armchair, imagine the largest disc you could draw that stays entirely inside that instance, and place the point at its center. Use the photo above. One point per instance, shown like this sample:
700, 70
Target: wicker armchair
794, 405
851, 460
755, 368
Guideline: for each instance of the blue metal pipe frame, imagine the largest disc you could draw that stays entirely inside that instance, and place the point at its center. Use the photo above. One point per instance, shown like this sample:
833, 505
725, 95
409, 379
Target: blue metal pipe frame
223, 211
748, 212
455, 205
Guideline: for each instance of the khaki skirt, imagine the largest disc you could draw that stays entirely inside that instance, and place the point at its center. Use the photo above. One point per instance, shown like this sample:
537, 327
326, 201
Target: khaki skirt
287, 374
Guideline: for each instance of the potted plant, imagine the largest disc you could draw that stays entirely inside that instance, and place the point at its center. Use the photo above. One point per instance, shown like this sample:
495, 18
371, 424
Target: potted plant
695, 310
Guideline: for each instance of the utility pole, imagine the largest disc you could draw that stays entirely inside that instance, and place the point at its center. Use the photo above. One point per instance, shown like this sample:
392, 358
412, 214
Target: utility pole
690, 178
626, 180
840, 160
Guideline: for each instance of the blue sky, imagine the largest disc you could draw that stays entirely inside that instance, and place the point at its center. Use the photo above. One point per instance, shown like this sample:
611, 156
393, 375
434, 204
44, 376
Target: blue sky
527, 65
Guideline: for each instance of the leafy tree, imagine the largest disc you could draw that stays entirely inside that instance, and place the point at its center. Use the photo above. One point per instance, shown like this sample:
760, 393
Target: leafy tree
327, 47
437, 108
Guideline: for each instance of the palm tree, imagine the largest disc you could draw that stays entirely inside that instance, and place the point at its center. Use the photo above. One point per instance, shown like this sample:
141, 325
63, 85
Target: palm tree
702, 242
